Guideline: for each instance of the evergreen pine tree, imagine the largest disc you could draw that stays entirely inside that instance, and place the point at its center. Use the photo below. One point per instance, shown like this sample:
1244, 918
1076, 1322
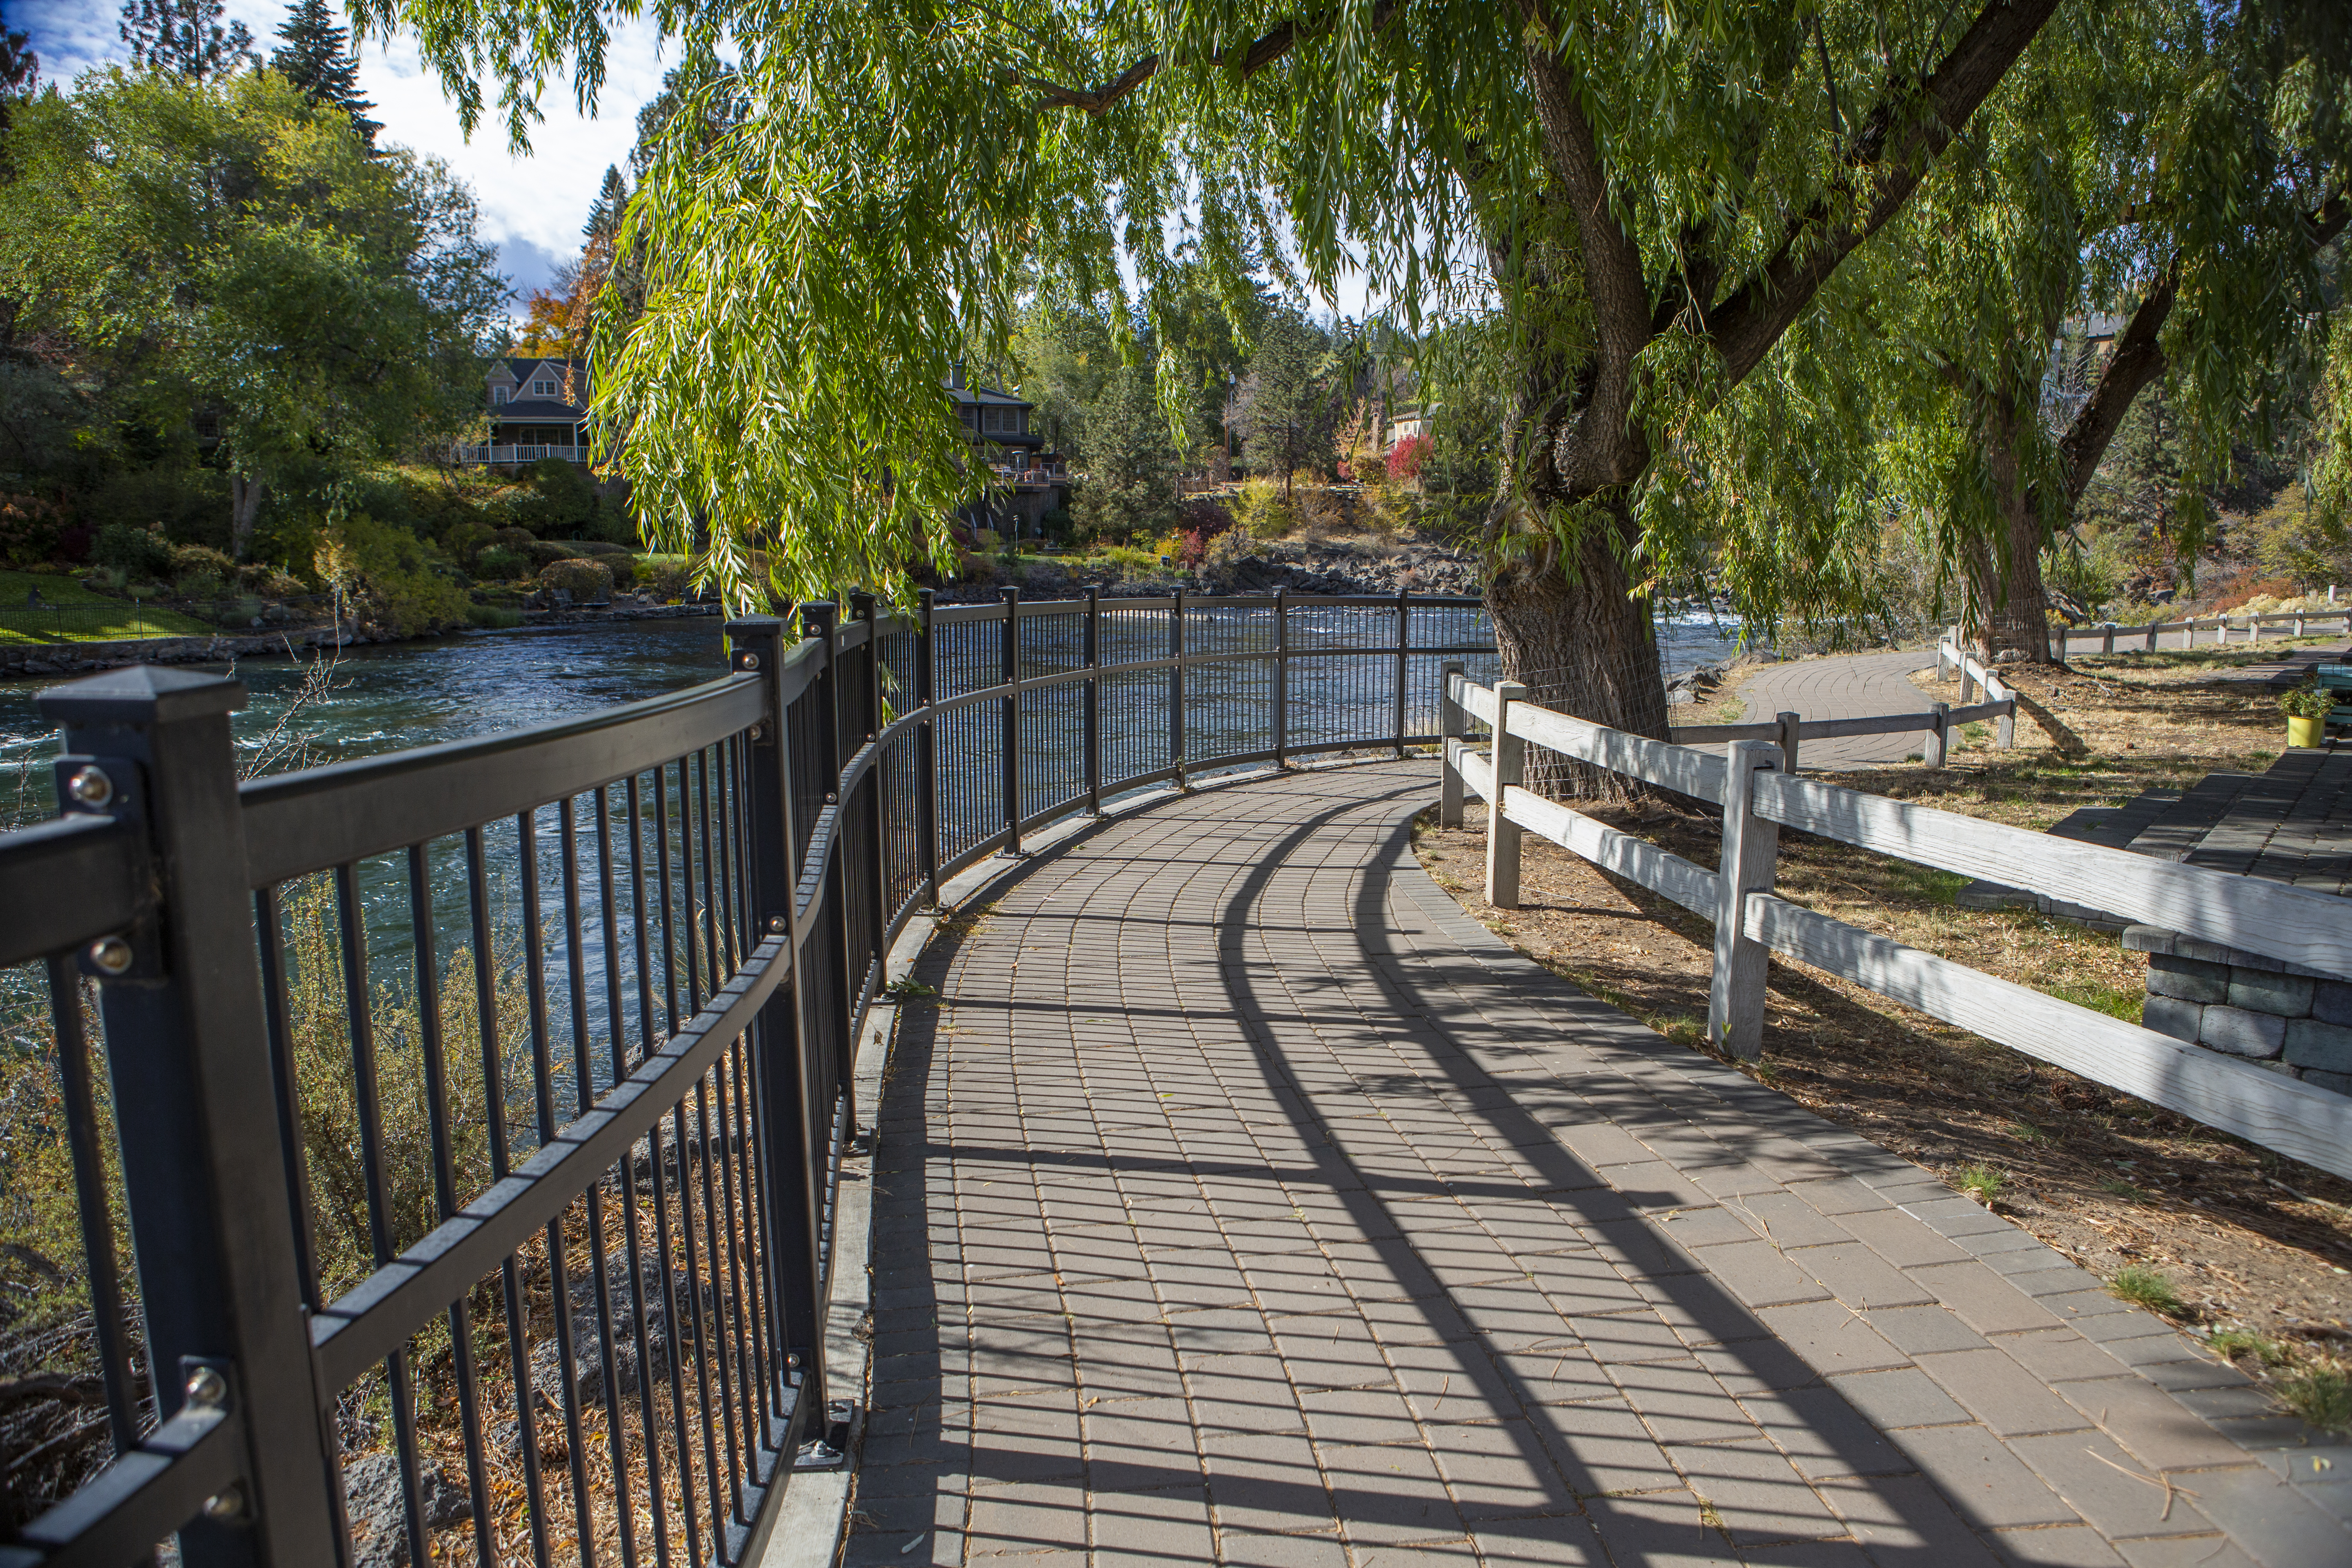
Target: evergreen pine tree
317, 58
185, 36
604, 213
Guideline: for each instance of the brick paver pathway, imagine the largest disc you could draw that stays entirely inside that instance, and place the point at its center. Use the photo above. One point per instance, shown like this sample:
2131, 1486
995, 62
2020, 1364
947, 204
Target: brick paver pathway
1860, 687
1241, 1201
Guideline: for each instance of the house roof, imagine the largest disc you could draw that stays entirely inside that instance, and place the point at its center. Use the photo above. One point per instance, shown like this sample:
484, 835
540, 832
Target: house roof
985, 394
537, 411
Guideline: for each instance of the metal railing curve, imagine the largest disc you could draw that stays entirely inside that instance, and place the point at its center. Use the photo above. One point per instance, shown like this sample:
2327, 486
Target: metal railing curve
454, 1133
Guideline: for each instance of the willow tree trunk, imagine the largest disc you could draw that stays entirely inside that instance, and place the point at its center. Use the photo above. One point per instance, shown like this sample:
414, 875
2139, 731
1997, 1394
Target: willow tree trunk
2007, 609
245, 510
1571, 629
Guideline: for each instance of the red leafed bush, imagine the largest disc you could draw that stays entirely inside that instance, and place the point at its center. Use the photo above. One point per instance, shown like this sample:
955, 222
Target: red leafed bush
1407, 456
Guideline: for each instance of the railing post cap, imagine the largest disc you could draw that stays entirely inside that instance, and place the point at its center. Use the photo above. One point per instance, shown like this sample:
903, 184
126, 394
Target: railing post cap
744, 628
139, 694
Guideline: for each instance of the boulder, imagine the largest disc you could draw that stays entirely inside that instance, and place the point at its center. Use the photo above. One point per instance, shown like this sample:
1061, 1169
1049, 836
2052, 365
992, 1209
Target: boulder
379, 1516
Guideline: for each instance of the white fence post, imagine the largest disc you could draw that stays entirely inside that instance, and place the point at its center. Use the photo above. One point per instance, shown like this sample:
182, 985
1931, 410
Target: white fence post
1450, 727
1938, 743
2108, 644
2151, 635
1790, 725
1735, 997
1510, 755
1968, 679
2004, 734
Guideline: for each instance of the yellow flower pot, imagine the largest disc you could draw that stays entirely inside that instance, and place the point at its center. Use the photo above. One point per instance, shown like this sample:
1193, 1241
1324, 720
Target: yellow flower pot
2303, 732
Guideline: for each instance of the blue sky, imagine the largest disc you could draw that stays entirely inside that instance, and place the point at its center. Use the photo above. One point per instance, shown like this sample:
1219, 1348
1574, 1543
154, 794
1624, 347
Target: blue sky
533, 207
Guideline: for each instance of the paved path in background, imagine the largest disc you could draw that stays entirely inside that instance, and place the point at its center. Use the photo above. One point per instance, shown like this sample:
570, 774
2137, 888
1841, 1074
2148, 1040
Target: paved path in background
1860, 687
1241, 1201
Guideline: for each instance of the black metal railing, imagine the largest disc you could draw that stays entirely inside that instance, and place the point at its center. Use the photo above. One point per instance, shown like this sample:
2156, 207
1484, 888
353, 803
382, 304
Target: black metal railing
474, 1113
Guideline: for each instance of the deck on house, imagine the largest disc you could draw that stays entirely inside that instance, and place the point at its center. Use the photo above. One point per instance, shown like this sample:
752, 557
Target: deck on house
1241, 1200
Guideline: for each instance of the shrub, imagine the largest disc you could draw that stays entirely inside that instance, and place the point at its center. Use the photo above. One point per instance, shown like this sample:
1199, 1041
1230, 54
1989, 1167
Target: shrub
493, 618
2310, 701
29, 528
390, 577
588, 582
546, 553
1406, 457
665, 577
201, 573
562, 500
501, 565
2322, 1397
138, 554
466, 541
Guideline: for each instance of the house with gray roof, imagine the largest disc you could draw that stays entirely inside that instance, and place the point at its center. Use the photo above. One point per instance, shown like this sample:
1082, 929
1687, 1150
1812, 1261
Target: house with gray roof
537, 407
1028, 477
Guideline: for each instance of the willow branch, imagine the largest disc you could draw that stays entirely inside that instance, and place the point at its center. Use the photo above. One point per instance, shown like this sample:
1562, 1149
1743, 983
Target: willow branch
1245, 64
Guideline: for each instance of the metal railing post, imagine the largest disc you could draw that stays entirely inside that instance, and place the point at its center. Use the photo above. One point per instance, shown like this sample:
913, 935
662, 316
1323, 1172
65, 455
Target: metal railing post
1176, 689
1510, 754
1012, 707
1938, 744
1734, 997
1093, 714
1404, 658
1790, 724
927, 755
1452, 726
865, 605
1282, 675
794, 1110
834, 992
196, 1107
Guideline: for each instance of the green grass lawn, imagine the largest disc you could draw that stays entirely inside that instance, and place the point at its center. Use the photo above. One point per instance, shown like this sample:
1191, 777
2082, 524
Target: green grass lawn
70, 613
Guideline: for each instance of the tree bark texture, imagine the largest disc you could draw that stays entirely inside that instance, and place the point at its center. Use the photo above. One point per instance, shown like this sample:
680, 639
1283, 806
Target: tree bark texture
1575, 635
2007, 609
245, 510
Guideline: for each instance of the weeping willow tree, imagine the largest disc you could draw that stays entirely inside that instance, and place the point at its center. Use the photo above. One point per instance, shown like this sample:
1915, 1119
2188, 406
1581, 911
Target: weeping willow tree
1641, 198
2179, 168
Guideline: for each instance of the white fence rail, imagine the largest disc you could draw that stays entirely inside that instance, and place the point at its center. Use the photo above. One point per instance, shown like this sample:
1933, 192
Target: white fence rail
1758, 798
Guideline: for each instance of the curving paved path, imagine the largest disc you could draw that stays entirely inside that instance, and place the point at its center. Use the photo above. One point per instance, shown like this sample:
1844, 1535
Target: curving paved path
1241, 1201
1857, 686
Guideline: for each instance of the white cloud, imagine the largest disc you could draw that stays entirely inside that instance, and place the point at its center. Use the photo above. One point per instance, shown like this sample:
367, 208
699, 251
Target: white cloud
532, 206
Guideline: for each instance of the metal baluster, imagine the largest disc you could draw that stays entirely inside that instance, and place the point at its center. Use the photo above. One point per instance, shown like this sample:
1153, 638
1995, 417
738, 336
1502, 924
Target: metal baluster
1092, 714
1403, 661
1009, 672
1176, 689
1282, 676
495, 1112
927, 752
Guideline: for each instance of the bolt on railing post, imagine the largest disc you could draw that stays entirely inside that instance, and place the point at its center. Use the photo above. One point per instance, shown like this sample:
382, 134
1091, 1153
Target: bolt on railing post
1011, 708
795, 1108
1451, 727
1790, 724
203, 1174
1176, 689
1509, 754
1282, 675
927, 754
1938, 744
1735, 997
1094, 700
1404, 658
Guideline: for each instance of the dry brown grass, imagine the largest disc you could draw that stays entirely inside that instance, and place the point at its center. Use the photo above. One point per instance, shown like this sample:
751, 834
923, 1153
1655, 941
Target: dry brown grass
2251, 1244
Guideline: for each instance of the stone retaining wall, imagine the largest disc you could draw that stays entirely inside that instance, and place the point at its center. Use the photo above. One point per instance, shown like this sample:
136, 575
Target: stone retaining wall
2275, 1014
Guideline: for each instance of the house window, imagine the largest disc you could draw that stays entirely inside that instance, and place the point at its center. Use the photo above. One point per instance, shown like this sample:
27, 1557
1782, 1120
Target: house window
498, 396
1020, 418
995, 419
542, 389
967, 414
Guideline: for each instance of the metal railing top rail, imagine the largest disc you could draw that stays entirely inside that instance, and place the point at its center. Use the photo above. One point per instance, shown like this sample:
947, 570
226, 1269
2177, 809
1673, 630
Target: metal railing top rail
89, 871
319, 818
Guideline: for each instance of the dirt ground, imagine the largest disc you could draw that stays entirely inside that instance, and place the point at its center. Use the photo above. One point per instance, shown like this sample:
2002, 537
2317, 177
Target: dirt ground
2251, 1245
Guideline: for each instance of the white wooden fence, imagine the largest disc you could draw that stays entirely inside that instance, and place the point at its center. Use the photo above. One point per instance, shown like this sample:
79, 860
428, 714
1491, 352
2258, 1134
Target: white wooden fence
1759, 797
1788, 731
2143, 639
